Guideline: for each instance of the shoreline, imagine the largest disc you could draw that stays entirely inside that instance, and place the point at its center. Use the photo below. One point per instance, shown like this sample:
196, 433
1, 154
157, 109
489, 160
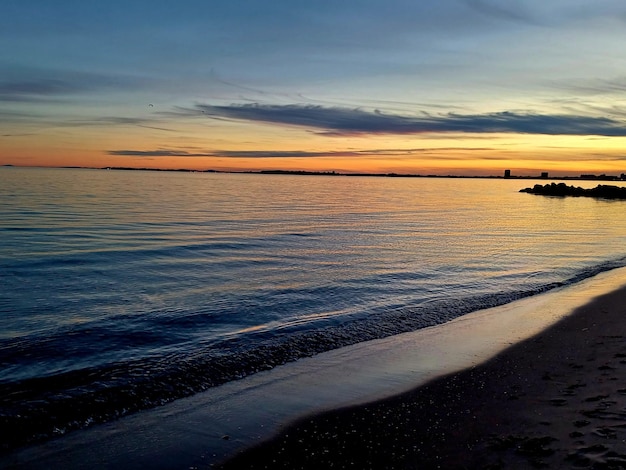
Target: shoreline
211, 427
539, 176
555, 400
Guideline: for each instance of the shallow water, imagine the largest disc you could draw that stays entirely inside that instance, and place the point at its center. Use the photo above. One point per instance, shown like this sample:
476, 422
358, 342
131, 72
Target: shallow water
121, 290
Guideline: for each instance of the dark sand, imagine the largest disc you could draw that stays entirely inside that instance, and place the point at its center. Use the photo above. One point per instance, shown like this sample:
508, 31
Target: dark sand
557, 400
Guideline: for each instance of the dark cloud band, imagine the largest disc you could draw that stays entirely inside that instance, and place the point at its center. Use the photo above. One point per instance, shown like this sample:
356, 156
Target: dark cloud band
229, 153
289, 154
346, 121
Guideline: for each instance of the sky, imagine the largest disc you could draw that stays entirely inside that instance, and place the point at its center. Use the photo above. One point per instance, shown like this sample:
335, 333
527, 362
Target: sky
458, 87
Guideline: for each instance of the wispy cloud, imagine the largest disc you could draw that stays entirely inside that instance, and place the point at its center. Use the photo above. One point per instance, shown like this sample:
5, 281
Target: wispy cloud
13, 116
39, 122
114, 121
289, 153
593, 86
498, 10
229, 153
34, 85
158, 153
39, 87
23, 134
346, 121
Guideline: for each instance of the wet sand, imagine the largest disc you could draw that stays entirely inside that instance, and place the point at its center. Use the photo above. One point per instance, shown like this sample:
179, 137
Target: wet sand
556, 400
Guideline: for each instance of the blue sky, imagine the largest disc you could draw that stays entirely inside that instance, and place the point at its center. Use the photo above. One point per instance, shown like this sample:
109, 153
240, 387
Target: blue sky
245, 84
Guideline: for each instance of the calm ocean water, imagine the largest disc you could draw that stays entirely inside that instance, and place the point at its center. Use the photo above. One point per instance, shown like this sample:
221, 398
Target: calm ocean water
122, 290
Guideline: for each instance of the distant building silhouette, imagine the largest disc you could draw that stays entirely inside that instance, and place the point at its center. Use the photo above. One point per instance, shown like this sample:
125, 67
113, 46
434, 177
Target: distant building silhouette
544, 174
507, 173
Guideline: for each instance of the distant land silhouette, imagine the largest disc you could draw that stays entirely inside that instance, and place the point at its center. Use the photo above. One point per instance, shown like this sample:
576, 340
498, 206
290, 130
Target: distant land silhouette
561, 189
507, 173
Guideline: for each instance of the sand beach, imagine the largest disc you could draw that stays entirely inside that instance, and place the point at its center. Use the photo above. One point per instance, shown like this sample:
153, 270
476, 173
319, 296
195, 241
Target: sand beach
557, 400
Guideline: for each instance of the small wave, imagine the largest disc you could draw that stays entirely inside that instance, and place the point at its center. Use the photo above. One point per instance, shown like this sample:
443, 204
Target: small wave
35, 409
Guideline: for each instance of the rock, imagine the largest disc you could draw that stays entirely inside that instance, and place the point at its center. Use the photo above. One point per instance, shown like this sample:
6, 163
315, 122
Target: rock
561, 189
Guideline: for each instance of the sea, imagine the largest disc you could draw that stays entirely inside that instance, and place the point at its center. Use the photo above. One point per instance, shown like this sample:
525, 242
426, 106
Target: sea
126, 290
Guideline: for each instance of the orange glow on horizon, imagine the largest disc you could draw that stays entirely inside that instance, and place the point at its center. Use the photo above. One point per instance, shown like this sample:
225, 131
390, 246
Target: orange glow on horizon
298, 150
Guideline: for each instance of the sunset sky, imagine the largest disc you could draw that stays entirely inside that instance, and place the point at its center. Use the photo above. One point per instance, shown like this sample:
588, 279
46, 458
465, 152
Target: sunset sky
458, 87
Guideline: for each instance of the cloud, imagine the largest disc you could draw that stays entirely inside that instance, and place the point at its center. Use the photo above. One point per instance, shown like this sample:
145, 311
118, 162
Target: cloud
346, 121
157, 153
12, 116
28, 85
594, 86
115, 120
105, 121
38, 87
30, 92
496, 10
290, 153
279, 154
229, 153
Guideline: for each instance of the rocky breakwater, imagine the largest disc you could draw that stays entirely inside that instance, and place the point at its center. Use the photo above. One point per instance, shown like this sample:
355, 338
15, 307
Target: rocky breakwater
561, 189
